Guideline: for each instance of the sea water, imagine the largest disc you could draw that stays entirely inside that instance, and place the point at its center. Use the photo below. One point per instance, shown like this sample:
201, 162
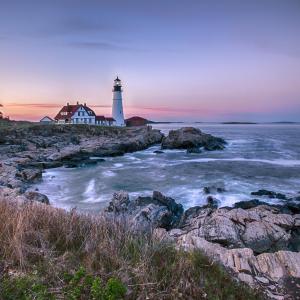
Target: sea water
257, 156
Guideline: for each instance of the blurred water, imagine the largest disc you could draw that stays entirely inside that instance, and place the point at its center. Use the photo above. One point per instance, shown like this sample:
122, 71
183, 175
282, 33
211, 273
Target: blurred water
257, 156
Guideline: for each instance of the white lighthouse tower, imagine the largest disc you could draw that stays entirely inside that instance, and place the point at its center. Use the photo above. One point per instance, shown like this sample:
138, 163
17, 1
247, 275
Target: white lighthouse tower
117, 107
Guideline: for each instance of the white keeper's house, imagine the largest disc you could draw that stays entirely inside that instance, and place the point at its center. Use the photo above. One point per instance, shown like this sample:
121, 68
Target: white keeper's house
82, 114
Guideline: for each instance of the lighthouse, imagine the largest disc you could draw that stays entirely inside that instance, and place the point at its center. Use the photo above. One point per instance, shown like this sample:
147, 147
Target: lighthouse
117, 107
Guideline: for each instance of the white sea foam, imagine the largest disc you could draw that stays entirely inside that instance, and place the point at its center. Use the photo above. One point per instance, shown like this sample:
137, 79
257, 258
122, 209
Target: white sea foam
90, 194
118, 165
281, 162
90, 189
109, 173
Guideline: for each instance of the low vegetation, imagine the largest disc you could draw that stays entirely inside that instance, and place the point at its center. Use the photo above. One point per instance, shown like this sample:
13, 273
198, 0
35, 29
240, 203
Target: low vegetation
48, 253
19, 128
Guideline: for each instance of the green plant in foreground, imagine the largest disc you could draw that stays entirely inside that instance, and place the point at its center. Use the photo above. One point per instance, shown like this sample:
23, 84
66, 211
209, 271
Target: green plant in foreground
79, 285
23, 288
84, 285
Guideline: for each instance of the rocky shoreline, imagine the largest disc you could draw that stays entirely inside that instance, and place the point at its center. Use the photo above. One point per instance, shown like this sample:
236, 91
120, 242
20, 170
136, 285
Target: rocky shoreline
257, 242
259, 245
26, 151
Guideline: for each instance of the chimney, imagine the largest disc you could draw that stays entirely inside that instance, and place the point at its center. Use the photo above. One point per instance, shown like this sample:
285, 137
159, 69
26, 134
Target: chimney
68, 104
77, 103
84, 104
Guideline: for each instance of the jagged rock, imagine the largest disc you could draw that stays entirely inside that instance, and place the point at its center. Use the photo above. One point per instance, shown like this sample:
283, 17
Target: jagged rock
287, 207
270, 194
28, 150
213, 189
261, 228
35, 196
147, 213
29, 175
119, 202
212, 202
189, 138
15, 194
249, 204
251, 269
262, 279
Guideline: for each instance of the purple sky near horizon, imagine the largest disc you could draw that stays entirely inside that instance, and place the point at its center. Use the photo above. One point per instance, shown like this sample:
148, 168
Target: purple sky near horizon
179, 60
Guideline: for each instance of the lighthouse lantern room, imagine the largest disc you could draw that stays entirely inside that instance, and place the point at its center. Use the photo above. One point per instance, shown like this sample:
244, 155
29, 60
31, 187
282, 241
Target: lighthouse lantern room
117, 107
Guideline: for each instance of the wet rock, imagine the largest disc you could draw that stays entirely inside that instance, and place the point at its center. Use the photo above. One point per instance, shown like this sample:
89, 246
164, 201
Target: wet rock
212, 202
77, 162
41, 165
287, 207
190, 138
20, 196
29, 175
158, 152
249, 204
36, 196
193, 150
119, 203
214, 189
147, 213
269, 194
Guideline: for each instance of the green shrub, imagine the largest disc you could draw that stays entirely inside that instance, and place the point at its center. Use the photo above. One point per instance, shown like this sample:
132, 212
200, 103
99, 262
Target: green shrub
114, 289
23, 288
83, 285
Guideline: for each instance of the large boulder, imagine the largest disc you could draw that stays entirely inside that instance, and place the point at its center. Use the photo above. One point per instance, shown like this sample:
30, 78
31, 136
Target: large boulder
16, 194
29, 175
274, 266
146, 213
262, 228
191, 138
277, 274
36, 196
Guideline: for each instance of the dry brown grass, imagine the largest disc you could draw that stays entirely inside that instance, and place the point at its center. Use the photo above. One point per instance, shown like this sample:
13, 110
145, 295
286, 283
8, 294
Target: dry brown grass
50, 241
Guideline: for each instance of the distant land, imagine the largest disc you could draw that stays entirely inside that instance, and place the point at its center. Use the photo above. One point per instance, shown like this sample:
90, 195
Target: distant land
233, 123
285, 122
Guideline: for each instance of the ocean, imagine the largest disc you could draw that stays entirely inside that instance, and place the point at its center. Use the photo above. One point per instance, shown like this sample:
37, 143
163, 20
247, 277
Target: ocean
257, 156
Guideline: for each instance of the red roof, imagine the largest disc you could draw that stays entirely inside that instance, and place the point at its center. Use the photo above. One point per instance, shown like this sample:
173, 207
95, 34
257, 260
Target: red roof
100, 118
110, 119
136, 118
69, 110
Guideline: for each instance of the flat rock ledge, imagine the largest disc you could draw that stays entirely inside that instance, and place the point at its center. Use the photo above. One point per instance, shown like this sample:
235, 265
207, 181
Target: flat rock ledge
192, 139
26, 151
258, 246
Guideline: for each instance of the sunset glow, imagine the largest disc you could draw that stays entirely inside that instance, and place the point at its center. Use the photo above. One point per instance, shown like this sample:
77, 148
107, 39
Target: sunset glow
186, 61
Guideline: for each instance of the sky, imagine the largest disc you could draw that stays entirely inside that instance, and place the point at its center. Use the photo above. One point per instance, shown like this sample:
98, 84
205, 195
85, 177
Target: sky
185, 60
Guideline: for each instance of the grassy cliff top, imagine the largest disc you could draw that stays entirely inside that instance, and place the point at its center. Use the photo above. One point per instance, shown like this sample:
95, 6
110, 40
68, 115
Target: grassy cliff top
48, 253
10, 127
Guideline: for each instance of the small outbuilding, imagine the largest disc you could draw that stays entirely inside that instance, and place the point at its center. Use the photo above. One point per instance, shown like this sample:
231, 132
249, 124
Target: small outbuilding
136, 121
46, 120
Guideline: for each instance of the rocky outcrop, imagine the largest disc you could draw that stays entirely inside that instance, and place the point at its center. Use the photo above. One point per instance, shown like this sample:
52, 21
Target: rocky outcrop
263, 228
257, 245
192, 138
290, 206
25, 150
267, 271
13, 194
269, 194
36, 196
146, 213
